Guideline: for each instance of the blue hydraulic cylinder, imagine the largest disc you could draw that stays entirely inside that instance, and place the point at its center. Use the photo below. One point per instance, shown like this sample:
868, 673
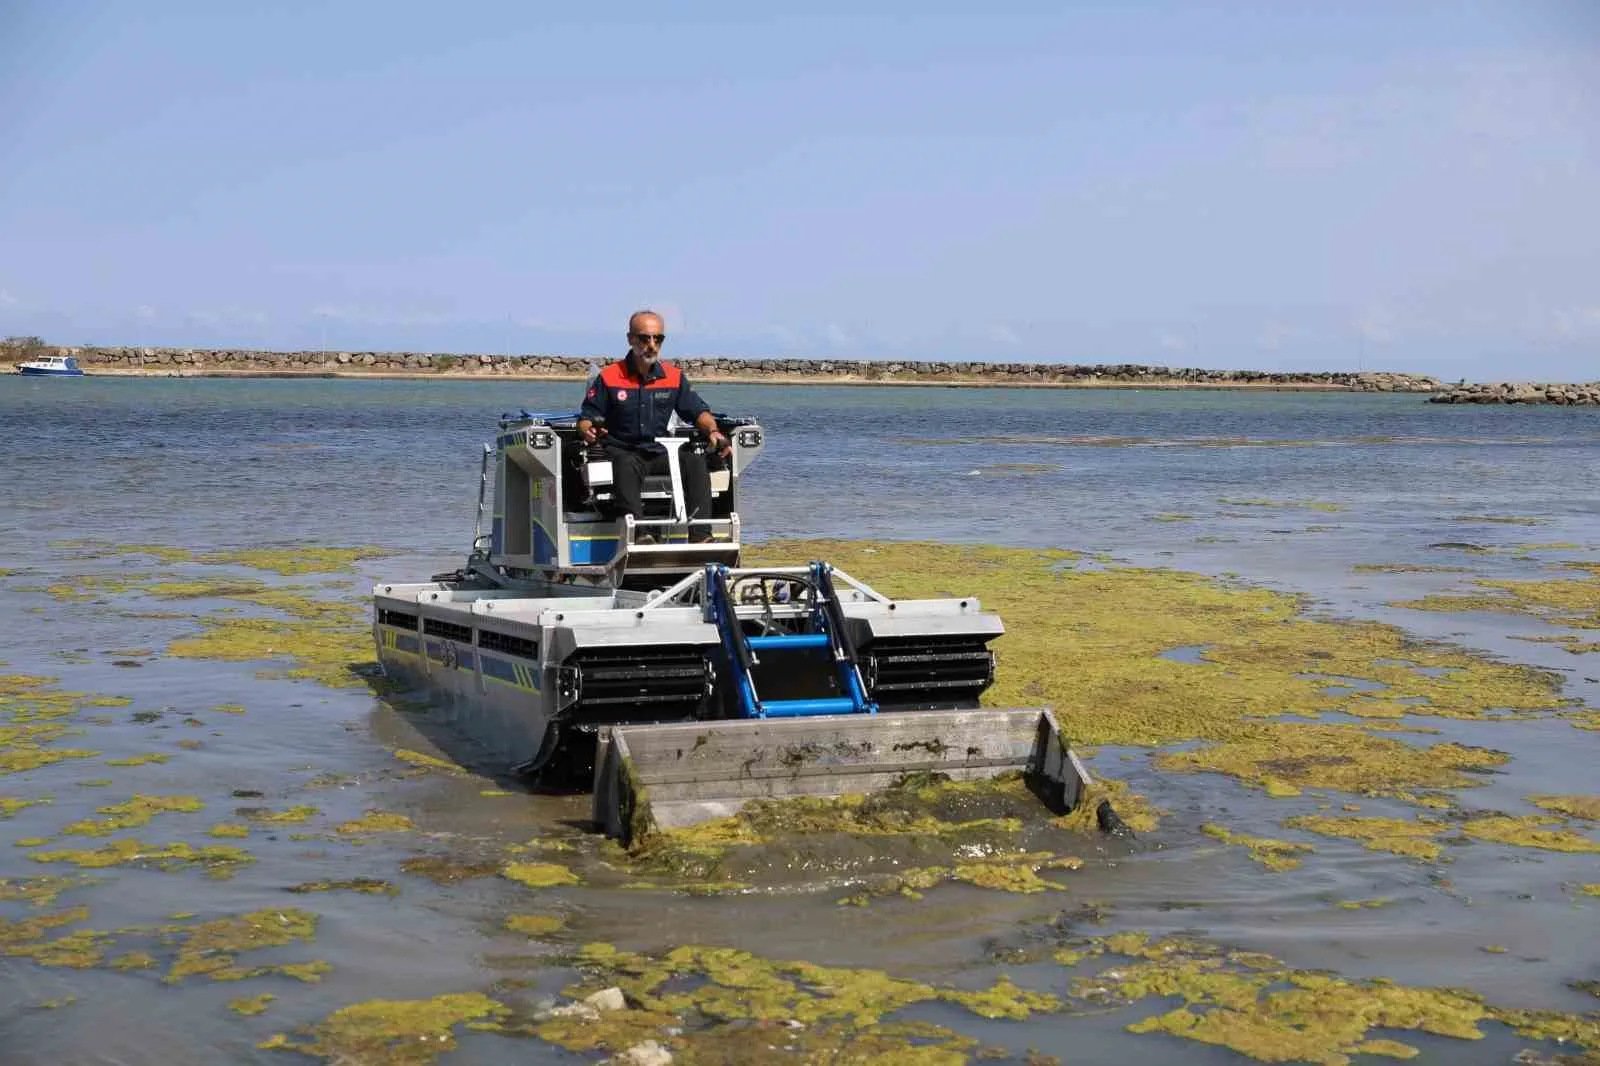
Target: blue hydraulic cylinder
807, 708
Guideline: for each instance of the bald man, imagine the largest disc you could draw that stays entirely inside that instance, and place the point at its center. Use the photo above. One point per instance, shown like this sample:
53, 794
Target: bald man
636, 395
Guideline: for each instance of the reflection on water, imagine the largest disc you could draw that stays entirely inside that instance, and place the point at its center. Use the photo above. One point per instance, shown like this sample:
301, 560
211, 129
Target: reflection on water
1294, 492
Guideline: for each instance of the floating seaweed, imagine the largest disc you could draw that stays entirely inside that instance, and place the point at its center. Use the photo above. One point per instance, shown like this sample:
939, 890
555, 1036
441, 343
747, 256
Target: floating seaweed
1273, 854
300, 559
535, 924
398, 1032
1117, 687
739, 1001
423, 761
1569, 602
1586, 807
219, 859
1412, 838
370, 886
1282, 759
134, 813
924, 829
289, 816
35, 715
539, 874
139, 760
1010, 873
375, 821
251, 1005
211, 948
1260, 1007
10, 805
1527, 831
447, 871
1313, 505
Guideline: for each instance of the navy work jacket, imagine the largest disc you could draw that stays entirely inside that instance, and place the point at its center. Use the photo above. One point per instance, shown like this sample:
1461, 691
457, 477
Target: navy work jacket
637, 412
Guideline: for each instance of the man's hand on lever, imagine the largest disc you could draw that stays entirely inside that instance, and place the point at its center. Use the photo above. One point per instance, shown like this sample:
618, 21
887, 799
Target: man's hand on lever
720, 443
588, 431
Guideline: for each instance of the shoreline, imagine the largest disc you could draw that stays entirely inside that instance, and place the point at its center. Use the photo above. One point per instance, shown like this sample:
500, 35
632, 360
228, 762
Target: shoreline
737, 379
235, 363
714, 370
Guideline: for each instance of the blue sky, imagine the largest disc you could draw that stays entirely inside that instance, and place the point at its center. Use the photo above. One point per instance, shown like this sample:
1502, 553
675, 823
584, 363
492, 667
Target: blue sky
1275, 185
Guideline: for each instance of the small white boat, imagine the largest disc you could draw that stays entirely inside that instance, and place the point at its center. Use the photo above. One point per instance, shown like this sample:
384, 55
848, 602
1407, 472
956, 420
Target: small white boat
55, 366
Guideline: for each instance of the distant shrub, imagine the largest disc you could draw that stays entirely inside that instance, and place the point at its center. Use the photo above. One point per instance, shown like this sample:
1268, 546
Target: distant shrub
22, 349
445, 362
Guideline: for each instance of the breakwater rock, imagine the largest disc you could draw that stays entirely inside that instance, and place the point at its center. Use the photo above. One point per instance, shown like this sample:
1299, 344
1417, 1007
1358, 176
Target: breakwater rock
1586, 395
229, 362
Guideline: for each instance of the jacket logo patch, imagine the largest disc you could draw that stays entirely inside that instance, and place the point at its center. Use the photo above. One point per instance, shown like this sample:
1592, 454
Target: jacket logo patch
622, 394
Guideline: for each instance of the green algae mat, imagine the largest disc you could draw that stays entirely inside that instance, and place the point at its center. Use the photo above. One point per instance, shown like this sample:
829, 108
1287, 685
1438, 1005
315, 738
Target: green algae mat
1332, 733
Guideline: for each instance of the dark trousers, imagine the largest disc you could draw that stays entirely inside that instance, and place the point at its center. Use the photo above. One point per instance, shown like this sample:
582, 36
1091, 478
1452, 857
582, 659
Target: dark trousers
629, 469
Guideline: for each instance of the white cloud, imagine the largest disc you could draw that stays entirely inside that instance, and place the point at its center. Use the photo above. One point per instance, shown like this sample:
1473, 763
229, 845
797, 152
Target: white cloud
8, 300
144, 312
1171, 342
1004, 334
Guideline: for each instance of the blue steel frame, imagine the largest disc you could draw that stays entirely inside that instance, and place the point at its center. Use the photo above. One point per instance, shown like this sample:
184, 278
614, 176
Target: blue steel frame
826, 624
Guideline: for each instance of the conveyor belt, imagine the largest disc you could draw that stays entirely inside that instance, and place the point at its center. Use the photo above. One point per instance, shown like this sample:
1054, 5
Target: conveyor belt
927, 673
635, 685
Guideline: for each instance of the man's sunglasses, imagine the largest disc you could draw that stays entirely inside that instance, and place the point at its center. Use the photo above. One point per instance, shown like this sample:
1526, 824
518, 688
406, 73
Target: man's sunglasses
659, 338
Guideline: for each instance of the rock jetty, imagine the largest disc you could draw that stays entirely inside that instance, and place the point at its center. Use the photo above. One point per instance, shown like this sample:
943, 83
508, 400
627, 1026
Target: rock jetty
1586, 395
232, 362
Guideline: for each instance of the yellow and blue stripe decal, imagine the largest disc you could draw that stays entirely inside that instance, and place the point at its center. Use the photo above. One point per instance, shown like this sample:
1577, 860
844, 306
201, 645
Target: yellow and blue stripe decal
405, 643
591, 549
517, 675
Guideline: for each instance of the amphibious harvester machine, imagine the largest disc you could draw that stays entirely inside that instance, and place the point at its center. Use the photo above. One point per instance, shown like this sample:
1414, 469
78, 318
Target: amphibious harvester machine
621, 655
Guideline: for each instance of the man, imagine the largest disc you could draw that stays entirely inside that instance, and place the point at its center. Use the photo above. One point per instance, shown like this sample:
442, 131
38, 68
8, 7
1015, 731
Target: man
637, 395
